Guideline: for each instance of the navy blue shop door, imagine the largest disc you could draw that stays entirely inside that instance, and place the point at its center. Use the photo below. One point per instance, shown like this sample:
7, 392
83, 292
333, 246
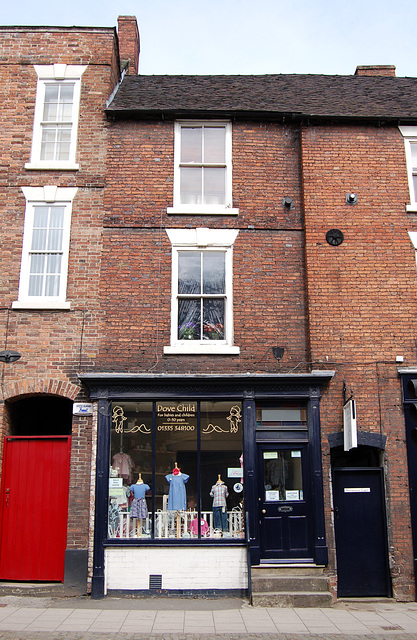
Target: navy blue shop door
361, 533
284, 502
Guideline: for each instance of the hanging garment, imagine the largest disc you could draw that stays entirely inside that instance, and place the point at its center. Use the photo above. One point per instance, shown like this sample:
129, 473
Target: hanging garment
177, 498
124, 465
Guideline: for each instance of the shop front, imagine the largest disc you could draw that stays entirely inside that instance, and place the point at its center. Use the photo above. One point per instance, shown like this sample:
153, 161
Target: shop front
200, 477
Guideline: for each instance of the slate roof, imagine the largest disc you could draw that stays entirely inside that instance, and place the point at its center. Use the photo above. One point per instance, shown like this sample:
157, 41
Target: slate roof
268, 96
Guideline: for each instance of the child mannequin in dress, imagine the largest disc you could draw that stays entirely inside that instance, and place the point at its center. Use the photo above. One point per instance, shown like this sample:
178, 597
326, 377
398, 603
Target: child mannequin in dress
139, 508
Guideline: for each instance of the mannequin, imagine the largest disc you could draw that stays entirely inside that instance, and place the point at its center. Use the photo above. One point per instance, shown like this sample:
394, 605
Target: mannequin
177, 497
219, 493
139, 508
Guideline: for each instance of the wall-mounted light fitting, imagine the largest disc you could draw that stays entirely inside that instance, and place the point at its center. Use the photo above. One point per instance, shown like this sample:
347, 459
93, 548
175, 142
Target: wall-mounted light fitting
351, 198
278, 352
9, 356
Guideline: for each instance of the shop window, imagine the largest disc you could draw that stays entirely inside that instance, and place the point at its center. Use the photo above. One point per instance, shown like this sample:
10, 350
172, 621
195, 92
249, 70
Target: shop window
203, 168
202, 301
176, 470
56, 117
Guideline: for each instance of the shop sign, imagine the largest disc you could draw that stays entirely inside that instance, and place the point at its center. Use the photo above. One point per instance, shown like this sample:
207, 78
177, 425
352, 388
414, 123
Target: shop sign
234, 472
82, 409
176, 416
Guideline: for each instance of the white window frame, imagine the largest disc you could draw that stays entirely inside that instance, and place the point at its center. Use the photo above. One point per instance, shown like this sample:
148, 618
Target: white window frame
203, 239
60, 74
45, 196
203, 209
410, 136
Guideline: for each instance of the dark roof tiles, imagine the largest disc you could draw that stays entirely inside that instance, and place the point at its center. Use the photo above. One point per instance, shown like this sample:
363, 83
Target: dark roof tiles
294, 95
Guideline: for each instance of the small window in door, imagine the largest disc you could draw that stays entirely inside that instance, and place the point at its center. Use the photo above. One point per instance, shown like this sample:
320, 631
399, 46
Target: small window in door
283, 479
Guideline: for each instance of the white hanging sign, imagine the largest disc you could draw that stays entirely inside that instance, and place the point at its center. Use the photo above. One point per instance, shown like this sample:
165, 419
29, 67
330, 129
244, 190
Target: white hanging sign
349, 425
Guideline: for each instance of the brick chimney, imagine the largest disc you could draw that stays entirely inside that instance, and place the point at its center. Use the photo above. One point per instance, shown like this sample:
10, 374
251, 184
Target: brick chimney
376, 70
129, 44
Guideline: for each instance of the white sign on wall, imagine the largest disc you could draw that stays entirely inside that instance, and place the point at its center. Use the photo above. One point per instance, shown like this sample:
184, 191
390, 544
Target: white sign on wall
349, 425
82, 409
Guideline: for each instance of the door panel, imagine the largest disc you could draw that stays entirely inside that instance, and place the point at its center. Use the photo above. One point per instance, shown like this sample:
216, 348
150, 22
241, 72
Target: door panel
284, 506
361, 534
34, 499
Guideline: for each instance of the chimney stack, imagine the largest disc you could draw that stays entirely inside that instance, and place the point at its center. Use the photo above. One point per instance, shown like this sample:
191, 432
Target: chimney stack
129, 44
376, 70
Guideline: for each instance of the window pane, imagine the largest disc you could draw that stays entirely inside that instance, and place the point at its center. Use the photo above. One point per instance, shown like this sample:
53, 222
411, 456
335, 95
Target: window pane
213, 319
214, 272
415, 186
283, 479
53, 263
35, 285
221, 455
40, 216
50, 109
214, 144
36, 270
191, 144
413, 146
48, 142
65, 99
190, 185
189, 319
176, 492
52, 285
63, 143
39, 237
130, 483
214, 185
189, 272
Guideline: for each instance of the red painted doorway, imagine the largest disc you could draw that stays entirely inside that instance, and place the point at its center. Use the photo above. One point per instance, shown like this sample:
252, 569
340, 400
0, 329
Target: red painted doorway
34, 507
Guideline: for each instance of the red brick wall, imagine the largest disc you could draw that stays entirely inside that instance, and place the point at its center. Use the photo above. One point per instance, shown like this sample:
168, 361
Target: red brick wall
362, 300
268, 278
55, 344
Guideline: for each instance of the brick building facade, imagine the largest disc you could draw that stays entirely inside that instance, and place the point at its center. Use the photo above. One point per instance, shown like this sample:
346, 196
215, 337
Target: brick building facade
240, 266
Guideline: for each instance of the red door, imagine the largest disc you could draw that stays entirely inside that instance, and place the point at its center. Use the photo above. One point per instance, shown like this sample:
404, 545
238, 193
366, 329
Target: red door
34, 507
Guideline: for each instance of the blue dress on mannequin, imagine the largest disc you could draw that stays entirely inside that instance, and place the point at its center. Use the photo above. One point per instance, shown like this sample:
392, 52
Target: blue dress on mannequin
177, 498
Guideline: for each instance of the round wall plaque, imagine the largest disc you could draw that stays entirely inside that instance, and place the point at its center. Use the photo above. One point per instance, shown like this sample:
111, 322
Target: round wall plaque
334, 237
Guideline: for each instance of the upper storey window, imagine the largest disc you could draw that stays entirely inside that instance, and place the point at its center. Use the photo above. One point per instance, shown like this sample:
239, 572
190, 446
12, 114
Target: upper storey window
410, 140
45, 252
56, 117
203, 168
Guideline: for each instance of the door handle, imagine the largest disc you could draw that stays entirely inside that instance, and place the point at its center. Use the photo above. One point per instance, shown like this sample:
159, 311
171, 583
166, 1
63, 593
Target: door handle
263, 510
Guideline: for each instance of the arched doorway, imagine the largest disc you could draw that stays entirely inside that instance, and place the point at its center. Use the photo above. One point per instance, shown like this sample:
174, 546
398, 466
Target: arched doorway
360, 520
34, 489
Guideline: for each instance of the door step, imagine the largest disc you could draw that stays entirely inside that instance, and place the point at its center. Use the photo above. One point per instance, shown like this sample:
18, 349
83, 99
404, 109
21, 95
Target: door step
290, 585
